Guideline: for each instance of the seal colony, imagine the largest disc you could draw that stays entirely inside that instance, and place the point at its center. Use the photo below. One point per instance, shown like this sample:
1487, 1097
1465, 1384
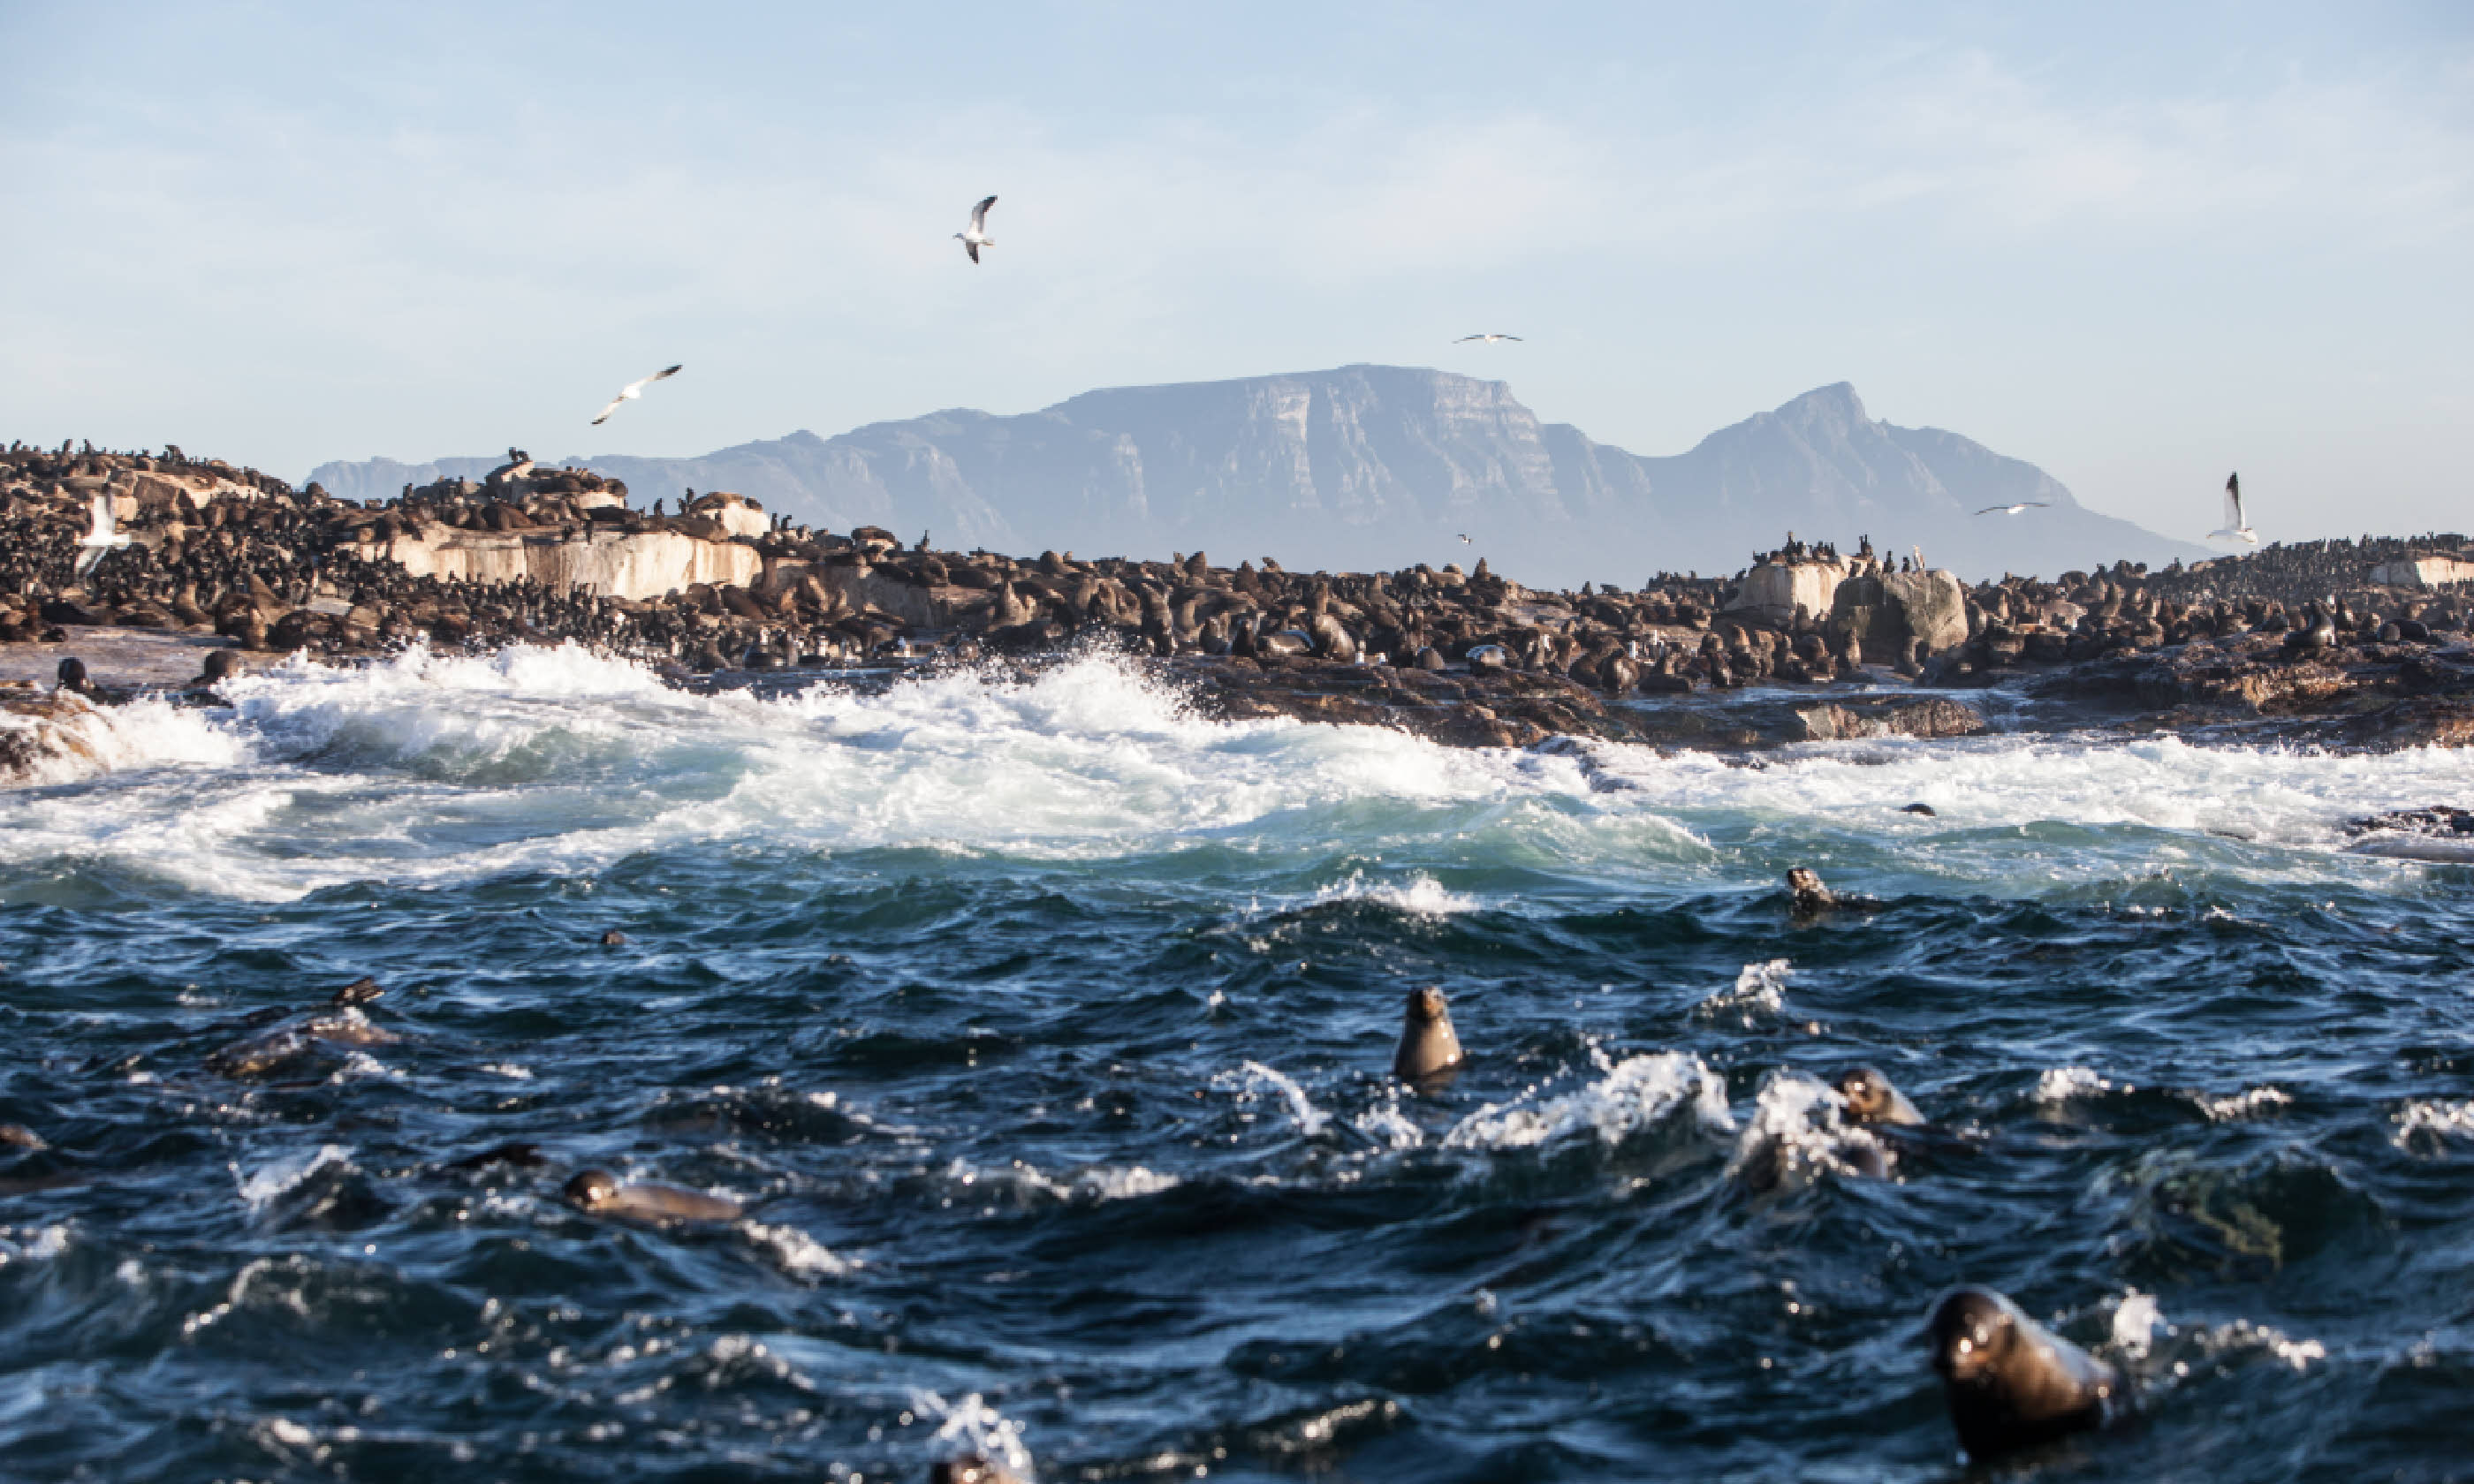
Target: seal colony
2332, 643
1470, 659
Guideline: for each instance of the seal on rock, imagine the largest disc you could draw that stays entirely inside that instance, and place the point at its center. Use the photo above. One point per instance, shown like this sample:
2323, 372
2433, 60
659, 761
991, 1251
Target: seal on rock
1428, 1044
2012, 1384
600, 1193
1871, 1099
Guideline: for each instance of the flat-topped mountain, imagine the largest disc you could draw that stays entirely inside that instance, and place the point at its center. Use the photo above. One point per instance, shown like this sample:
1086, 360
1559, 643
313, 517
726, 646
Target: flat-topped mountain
1382, 467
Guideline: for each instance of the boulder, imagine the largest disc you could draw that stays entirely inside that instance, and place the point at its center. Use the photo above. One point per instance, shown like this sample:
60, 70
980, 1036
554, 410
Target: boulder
1884, 610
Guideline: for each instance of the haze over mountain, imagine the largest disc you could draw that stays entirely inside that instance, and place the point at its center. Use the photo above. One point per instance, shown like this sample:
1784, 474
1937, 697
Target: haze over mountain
1382, 467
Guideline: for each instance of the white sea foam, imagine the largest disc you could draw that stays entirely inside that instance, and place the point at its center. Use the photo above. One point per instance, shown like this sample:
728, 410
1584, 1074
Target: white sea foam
800, 1254
2136, 1319
273, 1179
1309, 1120
1760, 990
1417, 895
970, 1426
1798, 1127
2244, 1105
41, 1246
2061, 1084
432, 768
1634, 1094
2426, 1125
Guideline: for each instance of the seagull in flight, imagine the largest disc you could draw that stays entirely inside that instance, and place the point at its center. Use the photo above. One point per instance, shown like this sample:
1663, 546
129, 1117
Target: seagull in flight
1464, 541
1489, 336
976, 236
632, 391
2236, 529
2012, 510
103, 536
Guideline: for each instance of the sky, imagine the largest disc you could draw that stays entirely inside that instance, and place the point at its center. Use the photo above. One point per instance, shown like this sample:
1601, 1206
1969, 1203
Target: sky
2137, 245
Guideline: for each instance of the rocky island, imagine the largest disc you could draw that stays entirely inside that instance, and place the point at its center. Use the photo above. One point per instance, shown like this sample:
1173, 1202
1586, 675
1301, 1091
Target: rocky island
2344, 644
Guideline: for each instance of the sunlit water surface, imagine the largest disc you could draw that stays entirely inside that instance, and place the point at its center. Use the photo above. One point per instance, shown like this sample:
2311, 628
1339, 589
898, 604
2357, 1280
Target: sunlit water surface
1044, 1028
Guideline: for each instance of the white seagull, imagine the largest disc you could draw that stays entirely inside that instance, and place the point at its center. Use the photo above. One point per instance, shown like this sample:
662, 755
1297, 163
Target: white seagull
632, 391
101, 537
1489, 336
2237, 529
2012, 510
1464, 541
976, 236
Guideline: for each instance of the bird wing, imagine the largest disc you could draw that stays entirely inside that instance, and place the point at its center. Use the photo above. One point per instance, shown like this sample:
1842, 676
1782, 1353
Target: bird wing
89, 558
1507, 337
102, 520
1992, 509
972, 248
2233, 502
1466, 339
636, 388
980, 219
607, 411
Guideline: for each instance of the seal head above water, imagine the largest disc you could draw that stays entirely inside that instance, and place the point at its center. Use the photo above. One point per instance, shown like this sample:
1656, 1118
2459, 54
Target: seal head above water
1872, 1099
1428, 1044
2011, 1383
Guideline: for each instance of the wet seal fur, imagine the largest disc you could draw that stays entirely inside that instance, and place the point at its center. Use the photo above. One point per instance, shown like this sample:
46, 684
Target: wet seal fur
600, 1193
1872, 1099
1812, 896
2011, 1383
1428, 1046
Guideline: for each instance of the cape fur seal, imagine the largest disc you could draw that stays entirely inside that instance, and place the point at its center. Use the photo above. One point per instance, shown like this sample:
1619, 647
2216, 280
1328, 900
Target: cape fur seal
2012, 1384
601, 1194
1428, 1044
1871, 1099
1810, 896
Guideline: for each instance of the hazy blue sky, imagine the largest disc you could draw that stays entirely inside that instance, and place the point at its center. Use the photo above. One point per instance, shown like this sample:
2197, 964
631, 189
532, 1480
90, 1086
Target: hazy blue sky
2139, 245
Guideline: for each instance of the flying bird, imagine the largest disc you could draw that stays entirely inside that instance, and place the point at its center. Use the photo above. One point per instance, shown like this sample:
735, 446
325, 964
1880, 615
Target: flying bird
1464, 541
1489, 336
2012, 510
976, 236
2235, 528
632, 391
102, 535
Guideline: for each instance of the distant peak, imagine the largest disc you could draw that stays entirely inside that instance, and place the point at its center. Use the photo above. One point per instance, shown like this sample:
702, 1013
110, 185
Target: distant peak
1836, 399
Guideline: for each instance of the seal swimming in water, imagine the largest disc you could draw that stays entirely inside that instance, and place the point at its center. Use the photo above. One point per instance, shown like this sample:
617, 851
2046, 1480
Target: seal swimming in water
1428, 1044
1810, 896
600, 1193
2012, 1384
1871, 1099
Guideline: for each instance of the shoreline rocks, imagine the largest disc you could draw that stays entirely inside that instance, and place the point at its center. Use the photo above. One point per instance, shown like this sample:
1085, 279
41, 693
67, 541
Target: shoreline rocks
1806, 645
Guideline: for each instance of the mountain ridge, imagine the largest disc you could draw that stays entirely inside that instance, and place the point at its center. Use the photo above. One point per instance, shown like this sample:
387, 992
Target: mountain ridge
1366, 466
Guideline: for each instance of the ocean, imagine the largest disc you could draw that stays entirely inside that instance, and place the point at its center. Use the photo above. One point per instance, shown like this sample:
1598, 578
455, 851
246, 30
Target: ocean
1043, 1027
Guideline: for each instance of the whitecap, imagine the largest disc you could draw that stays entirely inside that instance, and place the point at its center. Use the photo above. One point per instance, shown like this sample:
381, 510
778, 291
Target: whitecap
2061, 1084
1310, 1119
800, 1254
1798, 1126
273, 1179
1634, 1094
2242, 1105
2136, 1319
970, 1426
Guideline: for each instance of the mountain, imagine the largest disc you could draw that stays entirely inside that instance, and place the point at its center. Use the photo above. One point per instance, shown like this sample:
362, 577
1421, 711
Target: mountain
1383, 466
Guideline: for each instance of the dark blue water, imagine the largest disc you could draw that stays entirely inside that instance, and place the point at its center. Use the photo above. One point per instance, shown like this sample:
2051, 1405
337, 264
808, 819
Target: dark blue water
1044, 1030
